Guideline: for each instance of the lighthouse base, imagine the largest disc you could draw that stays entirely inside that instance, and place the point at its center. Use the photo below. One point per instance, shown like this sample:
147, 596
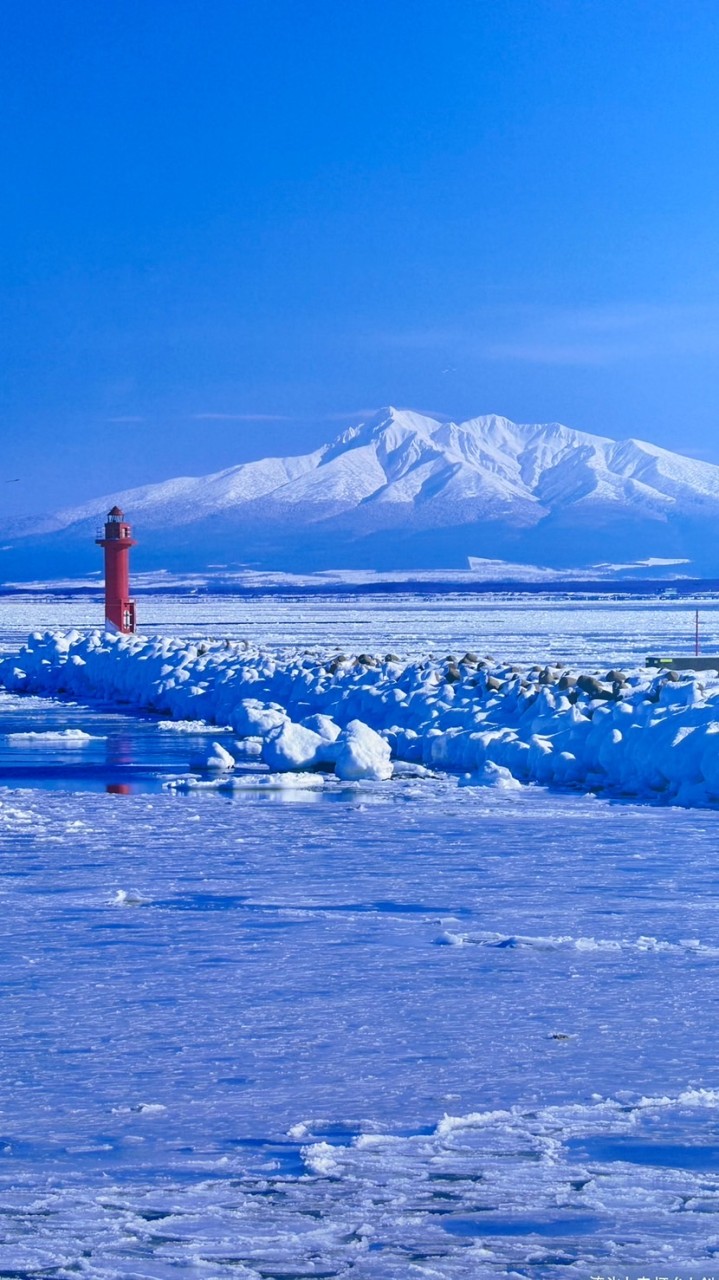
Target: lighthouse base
120, 618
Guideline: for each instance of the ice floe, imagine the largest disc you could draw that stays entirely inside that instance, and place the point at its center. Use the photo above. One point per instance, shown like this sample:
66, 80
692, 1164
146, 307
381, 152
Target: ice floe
61, 737
128, 898
249, 782
689, 946
192, 726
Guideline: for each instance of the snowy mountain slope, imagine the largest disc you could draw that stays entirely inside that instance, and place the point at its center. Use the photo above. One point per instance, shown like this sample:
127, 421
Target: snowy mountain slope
189, 498
430, 492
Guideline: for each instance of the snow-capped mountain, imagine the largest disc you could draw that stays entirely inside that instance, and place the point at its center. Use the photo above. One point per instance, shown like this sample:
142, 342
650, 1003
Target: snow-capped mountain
403, 490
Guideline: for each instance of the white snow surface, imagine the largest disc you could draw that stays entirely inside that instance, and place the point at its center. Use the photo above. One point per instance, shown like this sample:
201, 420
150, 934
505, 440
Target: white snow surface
585, 630
60, 737
232, 1046
276, 1024
637, 733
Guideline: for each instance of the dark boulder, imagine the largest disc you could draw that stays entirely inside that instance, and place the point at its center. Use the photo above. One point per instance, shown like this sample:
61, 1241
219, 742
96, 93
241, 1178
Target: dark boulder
594, 687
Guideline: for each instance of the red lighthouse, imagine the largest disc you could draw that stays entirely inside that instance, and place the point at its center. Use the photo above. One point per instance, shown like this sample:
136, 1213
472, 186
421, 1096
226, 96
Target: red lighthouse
117, 540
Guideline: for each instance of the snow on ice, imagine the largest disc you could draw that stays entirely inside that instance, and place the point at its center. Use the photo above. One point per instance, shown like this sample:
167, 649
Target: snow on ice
458, 1033
634, 733
58, 737
253, 1059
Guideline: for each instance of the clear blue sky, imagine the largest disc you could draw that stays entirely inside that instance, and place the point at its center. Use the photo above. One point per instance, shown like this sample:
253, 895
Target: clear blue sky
230, 225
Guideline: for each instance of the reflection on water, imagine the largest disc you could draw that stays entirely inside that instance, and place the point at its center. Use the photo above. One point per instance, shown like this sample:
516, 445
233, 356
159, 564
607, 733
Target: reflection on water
118, 748
64, 746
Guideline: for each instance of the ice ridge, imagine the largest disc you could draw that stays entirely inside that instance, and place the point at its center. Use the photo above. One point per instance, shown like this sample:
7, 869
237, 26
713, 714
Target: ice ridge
642, 734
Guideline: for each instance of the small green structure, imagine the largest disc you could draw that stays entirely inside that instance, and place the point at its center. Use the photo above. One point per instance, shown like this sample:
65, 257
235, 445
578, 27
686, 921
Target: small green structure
706, 662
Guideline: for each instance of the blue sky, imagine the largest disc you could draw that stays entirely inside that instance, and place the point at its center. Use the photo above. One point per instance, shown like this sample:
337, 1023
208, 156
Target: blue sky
230, 226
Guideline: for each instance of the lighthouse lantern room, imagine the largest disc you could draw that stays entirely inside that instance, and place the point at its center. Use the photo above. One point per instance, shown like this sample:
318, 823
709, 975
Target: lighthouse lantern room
116, 540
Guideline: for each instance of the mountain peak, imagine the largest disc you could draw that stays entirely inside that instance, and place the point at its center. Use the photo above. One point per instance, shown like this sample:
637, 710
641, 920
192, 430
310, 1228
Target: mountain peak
378, 425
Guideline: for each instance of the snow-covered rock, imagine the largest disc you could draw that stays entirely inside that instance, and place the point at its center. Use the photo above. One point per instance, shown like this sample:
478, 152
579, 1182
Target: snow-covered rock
362, 753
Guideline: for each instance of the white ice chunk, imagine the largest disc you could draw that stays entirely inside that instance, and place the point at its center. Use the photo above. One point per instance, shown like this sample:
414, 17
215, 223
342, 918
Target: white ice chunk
362, 753
218, 760
324, 726
252, 719
63, 737
292, 747
128, 898
491, 775
193, 726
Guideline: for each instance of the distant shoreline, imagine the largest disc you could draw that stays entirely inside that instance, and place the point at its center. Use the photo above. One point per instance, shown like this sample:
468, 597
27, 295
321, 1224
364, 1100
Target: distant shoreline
571, 587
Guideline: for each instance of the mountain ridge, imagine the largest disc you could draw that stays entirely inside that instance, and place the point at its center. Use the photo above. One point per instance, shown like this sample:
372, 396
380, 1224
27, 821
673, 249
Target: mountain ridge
485, 487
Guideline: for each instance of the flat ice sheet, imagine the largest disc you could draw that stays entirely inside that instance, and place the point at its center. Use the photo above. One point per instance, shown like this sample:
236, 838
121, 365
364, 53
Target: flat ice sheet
520, 629
232, 1035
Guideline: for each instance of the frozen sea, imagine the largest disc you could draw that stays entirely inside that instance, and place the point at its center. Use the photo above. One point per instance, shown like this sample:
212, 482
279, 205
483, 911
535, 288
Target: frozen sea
576, 629
414, 1030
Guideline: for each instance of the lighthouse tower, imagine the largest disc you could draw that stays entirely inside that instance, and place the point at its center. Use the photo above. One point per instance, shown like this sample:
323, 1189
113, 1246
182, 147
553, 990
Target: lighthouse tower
117, 540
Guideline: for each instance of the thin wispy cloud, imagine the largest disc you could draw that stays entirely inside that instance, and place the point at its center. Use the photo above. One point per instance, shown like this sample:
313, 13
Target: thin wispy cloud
344, 416
609, 334
350, 414
589, 335
242, 417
